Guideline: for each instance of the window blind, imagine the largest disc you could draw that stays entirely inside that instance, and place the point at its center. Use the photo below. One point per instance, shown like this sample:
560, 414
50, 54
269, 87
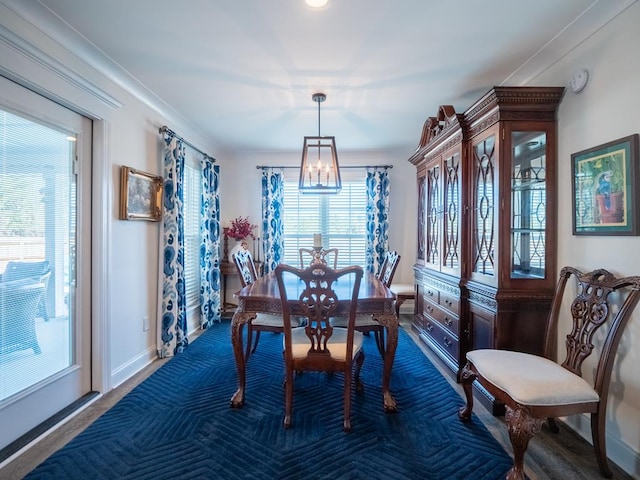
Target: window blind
340, 218
192, 194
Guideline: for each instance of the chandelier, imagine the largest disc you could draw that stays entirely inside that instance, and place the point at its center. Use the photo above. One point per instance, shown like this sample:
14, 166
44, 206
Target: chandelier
319, 172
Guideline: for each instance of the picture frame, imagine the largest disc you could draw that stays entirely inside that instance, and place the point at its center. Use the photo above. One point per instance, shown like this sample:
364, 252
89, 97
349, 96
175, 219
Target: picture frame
604, 183
140, 195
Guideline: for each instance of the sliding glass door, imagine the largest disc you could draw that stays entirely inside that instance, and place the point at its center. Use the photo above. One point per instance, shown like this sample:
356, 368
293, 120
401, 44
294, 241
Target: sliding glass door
45, 171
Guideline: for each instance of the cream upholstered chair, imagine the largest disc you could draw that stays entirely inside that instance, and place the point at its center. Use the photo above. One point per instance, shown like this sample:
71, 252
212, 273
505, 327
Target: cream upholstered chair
318, 346
403, 292
263, 321
535, 388
365, 323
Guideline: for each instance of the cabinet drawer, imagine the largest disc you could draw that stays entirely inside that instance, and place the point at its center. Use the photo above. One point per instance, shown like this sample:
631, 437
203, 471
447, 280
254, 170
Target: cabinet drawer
450, 302
446, 342
444, 317
431, 294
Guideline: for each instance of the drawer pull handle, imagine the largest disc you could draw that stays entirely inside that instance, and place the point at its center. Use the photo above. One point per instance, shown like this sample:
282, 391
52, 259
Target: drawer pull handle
429, 327
448, 303
448, 322
430, 293
447, 342
429, 309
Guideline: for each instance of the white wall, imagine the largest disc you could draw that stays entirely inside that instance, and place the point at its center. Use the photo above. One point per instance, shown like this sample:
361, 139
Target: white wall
608, 109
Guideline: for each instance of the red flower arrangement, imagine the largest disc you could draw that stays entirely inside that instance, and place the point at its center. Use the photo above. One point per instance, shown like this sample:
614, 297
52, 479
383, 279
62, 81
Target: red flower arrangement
240, 228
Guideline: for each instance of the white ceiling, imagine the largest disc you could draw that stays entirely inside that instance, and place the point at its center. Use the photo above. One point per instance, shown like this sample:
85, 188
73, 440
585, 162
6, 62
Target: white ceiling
243, 71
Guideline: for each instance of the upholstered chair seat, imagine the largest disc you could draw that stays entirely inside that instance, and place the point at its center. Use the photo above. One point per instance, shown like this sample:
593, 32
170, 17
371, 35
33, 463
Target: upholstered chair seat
531, 380
337, 344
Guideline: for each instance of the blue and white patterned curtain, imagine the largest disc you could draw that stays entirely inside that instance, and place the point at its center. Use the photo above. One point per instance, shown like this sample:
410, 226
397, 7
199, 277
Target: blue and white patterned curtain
172, 331
272, 228
377, 218
209, 244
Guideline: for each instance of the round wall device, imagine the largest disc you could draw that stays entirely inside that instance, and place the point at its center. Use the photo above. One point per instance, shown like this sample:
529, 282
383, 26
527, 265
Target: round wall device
579, 81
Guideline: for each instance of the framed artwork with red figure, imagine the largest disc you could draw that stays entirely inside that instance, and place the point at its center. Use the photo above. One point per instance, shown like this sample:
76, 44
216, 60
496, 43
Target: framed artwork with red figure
605, 179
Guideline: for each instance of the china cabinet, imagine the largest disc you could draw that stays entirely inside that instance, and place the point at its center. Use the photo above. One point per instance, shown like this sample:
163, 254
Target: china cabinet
486, 247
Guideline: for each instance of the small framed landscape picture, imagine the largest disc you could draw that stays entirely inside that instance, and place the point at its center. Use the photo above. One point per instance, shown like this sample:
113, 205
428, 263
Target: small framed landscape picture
605, 182
140, 195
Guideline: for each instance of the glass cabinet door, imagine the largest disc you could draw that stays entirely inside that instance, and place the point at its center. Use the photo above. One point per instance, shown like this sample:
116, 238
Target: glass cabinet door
528, 204
422, 195
433, 217
451, 213
484, 163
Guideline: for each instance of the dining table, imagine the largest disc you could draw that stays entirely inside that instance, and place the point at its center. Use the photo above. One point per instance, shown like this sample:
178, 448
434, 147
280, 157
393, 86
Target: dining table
263, 296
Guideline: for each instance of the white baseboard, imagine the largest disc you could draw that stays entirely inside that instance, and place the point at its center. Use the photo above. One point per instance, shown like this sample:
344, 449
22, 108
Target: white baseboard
133, 366
407, 308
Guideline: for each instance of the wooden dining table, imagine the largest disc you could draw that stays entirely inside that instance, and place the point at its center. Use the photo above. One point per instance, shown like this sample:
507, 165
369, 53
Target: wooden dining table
374, 299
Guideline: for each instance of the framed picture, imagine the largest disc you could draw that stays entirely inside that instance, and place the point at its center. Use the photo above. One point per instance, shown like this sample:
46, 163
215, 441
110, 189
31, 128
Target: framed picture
140, 195
605, 179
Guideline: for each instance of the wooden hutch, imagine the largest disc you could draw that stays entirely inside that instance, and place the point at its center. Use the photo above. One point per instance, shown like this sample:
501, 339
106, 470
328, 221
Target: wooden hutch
486, 246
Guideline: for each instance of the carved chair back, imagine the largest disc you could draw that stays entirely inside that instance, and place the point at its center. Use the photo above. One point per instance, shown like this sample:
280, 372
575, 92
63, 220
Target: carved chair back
317, 302
306, 256
245, 267
330, 256
591, 309
388, 267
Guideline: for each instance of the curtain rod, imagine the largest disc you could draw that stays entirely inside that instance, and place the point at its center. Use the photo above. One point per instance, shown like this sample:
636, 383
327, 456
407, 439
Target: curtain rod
262, 167
168, 131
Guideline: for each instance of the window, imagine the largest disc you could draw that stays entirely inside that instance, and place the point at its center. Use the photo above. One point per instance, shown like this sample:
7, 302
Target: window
192, 196
340, 218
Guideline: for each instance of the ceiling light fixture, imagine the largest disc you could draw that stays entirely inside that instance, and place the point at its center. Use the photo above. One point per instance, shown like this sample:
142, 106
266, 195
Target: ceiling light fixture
319, 171
316, 3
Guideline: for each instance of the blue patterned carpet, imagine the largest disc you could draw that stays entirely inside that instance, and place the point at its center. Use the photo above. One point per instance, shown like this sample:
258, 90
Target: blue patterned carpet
178, 424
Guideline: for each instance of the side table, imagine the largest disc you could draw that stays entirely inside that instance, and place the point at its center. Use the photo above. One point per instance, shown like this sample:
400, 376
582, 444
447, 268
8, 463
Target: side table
226, 268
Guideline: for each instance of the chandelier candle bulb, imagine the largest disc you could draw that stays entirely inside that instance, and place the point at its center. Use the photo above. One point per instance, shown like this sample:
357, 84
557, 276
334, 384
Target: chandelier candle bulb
317, 240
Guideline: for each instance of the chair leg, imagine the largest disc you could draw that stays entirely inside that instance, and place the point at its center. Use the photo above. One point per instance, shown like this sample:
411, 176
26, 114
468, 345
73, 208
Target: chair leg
599, 446
553, 425
359, 362
521, 427
255, 344
467, 377
346, 426
249, 341
288, 397
379, 335
33, 340
42, 310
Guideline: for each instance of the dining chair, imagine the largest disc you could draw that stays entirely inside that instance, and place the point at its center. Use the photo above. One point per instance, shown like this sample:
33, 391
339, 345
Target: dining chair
534, 388
403, 292
366, 323
318, 346
264, 322
330, 255
308, 254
